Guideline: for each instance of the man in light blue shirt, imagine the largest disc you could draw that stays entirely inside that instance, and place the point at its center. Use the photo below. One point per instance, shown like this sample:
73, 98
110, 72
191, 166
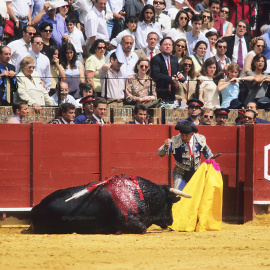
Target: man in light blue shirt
195, 35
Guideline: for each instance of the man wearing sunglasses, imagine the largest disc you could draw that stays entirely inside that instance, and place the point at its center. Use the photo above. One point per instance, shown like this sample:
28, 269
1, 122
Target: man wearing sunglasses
221, 116
207, 116
23, 45
163, 19
194, 111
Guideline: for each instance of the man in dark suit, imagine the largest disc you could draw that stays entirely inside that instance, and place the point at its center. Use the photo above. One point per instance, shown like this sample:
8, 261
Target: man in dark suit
99, 111
140, 115
8, 82
166, 71
233, 44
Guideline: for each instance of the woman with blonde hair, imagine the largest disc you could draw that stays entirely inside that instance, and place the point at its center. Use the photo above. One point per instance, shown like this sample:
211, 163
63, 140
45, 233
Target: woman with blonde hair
229, 87
139, 87
257, 45
30, 86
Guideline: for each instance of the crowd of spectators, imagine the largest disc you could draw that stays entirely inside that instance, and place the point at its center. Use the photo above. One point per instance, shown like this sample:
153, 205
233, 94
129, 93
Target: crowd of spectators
99, 54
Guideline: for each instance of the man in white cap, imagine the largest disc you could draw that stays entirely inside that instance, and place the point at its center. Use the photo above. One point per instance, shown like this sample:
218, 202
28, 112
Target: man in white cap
113, 89
48, 14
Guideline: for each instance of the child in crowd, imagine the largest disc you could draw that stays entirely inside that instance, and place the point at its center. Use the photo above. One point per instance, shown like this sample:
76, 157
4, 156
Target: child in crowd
77, 38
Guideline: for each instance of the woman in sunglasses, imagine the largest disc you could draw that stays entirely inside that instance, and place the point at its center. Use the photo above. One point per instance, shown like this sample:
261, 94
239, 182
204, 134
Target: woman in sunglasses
73, 69
180, 26
186, 90
229, 87
198, 56
256, 45
139, 88
180, 48
62, 11
45, 30
208, 21
227, 26
94, 63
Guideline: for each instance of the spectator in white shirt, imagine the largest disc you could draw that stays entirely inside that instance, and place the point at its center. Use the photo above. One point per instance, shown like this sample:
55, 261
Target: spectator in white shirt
77, 38
21, 46
146, 25
95, 23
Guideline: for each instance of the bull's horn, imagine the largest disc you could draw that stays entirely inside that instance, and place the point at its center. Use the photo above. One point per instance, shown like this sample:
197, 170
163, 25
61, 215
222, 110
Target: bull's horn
179, 192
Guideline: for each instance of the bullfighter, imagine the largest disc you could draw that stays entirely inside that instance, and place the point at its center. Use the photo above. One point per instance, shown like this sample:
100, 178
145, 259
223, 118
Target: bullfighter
186, 148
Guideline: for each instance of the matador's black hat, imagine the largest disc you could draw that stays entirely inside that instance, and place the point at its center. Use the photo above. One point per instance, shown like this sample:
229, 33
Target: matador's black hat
186, 127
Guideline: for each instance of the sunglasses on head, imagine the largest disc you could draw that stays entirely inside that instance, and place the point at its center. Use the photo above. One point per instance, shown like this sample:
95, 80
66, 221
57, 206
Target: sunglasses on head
180, 46
187, 65
208, 116
224, 11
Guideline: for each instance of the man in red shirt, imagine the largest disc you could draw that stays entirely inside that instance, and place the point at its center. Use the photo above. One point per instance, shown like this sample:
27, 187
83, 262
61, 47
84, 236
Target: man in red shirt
214, 6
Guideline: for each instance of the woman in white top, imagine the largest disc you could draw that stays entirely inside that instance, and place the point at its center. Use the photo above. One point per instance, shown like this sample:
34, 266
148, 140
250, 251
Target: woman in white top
207, 21
227, 26
212, 38
129, 30
146, 25
180, 26
256, 45
208, 89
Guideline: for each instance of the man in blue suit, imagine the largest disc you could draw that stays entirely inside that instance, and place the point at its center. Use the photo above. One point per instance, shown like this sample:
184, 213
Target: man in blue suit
166, 71
140, 115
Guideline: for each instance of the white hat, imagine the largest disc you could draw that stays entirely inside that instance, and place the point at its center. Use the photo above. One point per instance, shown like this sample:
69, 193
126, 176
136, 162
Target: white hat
56, 3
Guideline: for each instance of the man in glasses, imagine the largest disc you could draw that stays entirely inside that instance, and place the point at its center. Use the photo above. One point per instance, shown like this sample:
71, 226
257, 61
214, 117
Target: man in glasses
42, 62
249, 117
221, 115
21, 46
207, 116
163, 19
194, 111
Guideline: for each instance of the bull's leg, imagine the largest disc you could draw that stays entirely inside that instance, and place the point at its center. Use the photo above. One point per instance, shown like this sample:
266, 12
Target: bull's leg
134, 225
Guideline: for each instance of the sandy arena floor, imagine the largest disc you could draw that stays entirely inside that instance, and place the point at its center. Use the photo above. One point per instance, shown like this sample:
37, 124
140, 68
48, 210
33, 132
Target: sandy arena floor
238, 247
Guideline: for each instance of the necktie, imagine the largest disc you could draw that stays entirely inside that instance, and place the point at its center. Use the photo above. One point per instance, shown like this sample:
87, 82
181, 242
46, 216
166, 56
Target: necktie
151, 55
240, 55
27, 47
190, 151
8, 88
169, 72
157, 18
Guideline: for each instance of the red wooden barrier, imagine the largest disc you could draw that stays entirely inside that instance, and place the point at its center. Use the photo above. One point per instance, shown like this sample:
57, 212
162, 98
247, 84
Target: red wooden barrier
37, 159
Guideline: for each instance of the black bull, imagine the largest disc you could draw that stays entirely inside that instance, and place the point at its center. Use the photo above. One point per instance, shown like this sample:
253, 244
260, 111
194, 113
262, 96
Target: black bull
122, 205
